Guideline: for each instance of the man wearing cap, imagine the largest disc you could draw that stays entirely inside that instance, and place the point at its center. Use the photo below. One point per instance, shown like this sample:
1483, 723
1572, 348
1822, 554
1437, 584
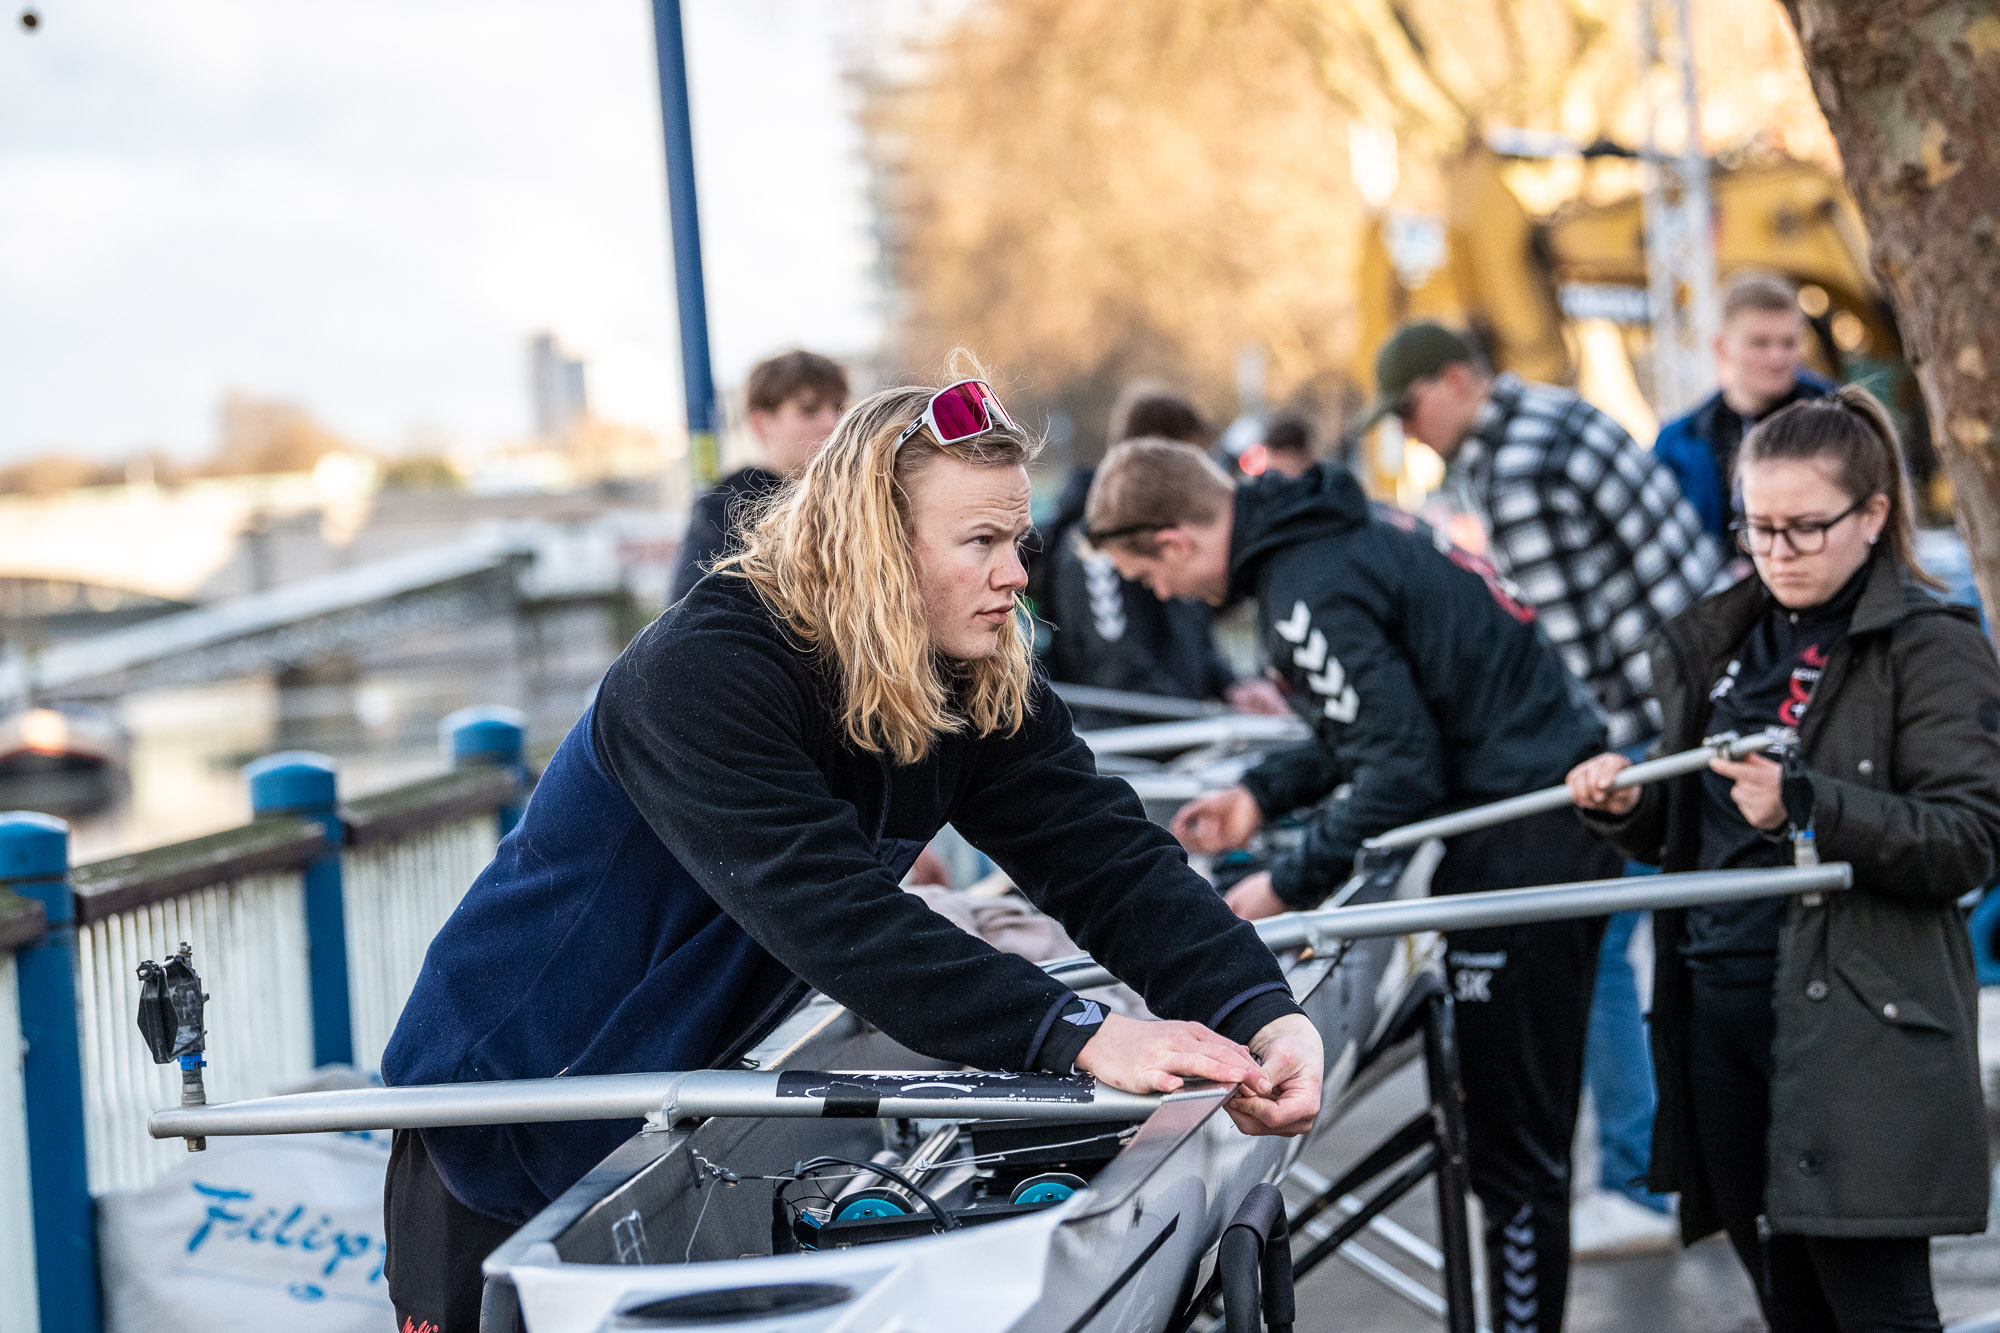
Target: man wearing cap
1589, 527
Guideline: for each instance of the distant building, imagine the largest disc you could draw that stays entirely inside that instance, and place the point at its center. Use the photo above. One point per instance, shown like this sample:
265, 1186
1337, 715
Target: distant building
556, 379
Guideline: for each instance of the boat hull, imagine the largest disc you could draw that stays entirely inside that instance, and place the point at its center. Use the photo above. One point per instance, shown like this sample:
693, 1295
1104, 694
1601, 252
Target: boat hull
652, 1230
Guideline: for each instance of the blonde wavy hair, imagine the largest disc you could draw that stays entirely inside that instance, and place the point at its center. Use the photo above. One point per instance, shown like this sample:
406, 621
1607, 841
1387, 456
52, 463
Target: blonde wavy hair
829, 554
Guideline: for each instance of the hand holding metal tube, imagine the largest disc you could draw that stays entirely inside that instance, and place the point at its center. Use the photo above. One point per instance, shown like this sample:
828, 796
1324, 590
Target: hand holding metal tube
1607, 784
1756, 790
1592, 785
1623, 776
1135, 1055
1293, 1060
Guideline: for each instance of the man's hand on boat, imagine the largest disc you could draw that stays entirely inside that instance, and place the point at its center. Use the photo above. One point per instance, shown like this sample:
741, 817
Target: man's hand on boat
1218, 822
1253, 899
1590, 785
1277, 1075
1257, 696
1292, 1057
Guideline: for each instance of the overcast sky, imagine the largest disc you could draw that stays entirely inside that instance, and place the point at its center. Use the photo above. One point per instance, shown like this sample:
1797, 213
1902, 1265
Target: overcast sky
368, 207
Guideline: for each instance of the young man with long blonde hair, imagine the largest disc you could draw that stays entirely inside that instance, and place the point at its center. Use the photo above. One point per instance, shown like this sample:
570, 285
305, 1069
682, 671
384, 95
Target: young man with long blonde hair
726, 826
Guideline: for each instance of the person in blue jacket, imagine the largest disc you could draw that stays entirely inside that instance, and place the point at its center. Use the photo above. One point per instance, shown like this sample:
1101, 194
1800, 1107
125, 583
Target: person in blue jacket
726, 826
1760, 359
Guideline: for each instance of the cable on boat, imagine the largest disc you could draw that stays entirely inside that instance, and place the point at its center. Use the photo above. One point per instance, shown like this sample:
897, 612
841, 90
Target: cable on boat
945, 1221
979, 1159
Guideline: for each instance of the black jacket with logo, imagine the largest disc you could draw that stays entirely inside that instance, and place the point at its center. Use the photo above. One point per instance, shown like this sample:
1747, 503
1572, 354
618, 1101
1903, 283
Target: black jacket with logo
1427, 685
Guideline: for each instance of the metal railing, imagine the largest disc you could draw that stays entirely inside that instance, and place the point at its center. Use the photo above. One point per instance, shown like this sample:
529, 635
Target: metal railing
411, 855
249, 927
316, 916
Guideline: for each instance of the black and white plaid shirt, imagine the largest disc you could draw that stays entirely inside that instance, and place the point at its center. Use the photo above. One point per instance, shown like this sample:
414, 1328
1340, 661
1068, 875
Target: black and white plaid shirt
1592, 531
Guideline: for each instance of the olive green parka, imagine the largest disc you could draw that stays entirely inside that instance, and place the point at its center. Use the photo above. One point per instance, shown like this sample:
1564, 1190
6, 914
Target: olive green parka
1877, 1123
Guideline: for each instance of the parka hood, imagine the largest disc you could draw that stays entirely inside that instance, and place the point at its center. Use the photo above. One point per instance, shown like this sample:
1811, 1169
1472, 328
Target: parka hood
1274, 511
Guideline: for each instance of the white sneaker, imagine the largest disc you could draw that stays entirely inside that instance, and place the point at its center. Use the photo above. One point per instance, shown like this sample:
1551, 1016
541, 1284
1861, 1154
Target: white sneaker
1607, 1225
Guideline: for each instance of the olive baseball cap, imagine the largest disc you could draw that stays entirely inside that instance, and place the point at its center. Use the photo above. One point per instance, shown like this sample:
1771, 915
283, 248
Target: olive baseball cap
1416, 351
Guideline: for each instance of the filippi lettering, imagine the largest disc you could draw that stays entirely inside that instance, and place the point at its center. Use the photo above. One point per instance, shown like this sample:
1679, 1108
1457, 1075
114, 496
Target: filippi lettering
237, 1215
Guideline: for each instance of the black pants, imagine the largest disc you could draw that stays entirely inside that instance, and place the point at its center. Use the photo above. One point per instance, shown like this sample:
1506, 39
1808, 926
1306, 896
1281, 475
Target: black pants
436, 1244
1806, 1284
1523, 1002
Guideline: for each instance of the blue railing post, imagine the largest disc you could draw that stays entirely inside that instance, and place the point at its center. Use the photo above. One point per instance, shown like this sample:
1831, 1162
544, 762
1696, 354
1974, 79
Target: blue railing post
299, 782
491, 734
34, 862
684, 222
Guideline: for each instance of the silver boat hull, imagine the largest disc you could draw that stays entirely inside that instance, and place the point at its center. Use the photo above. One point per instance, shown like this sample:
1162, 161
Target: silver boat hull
648, 1226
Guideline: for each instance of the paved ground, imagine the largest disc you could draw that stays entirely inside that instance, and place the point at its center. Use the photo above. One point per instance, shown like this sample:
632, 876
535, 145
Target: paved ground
1700, 1290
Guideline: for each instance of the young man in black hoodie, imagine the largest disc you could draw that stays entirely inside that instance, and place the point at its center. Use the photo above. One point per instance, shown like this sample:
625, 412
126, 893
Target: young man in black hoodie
1104, 631
1429, 688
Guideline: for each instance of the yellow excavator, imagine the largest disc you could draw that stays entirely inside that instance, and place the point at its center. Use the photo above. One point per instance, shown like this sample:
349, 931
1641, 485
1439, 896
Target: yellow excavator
1559, 295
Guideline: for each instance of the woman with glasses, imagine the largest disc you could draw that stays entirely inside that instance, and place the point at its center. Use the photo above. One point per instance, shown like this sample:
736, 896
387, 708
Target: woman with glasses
1817, 1057
726, 826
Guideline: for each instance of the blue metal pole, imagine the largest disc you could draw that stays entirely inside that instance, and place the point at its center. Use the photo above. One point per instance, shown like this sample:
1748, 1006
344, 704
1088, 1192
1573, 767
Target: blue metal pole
491, 734
704, 460
34, 862
299, 782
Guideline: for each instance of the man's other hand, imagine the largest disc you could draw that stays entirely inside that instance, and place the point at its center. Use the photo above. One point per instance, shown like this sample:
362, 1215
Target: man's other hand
1293, 1059
1218, 822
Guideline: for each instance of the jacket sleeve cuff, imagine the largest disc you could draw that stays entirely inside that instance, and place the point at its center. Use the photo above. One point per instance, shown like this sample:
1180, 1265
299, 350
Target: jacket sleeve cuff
1296, 889
1065, 1030
1259, 783
1621, 831
1246, 1015
1800, 798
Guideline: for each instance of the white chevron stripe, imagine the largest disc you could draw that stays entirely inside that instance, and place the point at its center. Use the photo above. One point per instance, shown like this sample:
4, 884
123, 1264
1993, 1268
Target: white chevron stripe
1293, 630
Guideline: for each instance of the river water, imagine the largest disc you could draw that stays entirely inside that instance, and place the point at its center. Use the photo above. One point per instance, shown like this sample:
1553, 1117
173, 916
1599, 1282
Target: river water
378, 719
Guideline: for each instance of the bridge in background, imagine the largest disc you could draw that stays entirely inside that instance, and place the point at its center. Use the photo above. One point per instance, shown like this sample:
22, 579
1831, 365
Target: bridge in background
493, 574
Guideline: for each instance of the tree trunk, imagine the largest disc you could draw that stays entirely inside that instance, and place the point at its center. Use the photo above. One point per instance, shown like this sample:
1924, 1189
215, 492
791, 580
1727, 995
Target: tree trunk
1911, 89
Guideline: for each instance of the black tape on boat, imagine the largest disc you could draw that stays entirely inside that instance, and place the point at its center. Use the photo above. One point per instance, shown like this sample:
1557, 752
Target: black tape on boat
851, 1100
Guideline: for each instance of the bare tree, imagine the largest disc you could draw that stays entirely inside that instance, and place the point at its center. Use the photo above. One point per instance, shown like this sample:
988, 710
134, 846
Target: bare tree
1911, 89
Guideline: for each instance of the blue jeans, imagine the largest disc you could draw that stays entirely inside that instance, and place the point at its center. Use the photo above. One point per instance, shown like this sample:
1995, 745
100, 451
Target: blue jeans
1617, 1068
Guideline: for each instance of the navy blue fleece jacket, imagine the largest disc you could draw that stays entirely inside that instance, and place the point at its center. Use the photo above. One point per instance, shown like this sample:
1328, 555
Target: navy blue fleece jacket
707, 844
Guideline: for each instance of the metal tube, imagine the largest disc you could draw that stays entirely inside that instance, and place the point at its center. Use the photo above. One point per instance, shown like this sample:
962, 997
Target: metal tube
1181, 787
1555, 798
1243, 728
663, 1097
1133, 703
1509, 907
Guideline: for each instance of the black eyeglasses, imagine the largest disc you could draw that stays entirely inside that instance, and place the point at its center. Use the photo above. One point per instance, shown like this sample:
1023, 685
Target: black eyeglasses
1802, 538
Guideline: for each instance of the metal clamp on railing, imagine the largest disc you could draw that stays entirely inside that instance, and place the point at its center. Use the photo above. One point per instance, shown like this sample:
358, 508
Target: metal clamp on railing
170, 1019
1510, 907
1728, 746
663, 1099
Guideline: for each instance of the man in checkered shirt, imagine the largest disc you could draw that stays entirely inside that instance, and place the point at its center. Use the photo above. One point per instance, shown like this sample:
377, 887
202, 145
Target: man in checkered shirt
1590, 528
